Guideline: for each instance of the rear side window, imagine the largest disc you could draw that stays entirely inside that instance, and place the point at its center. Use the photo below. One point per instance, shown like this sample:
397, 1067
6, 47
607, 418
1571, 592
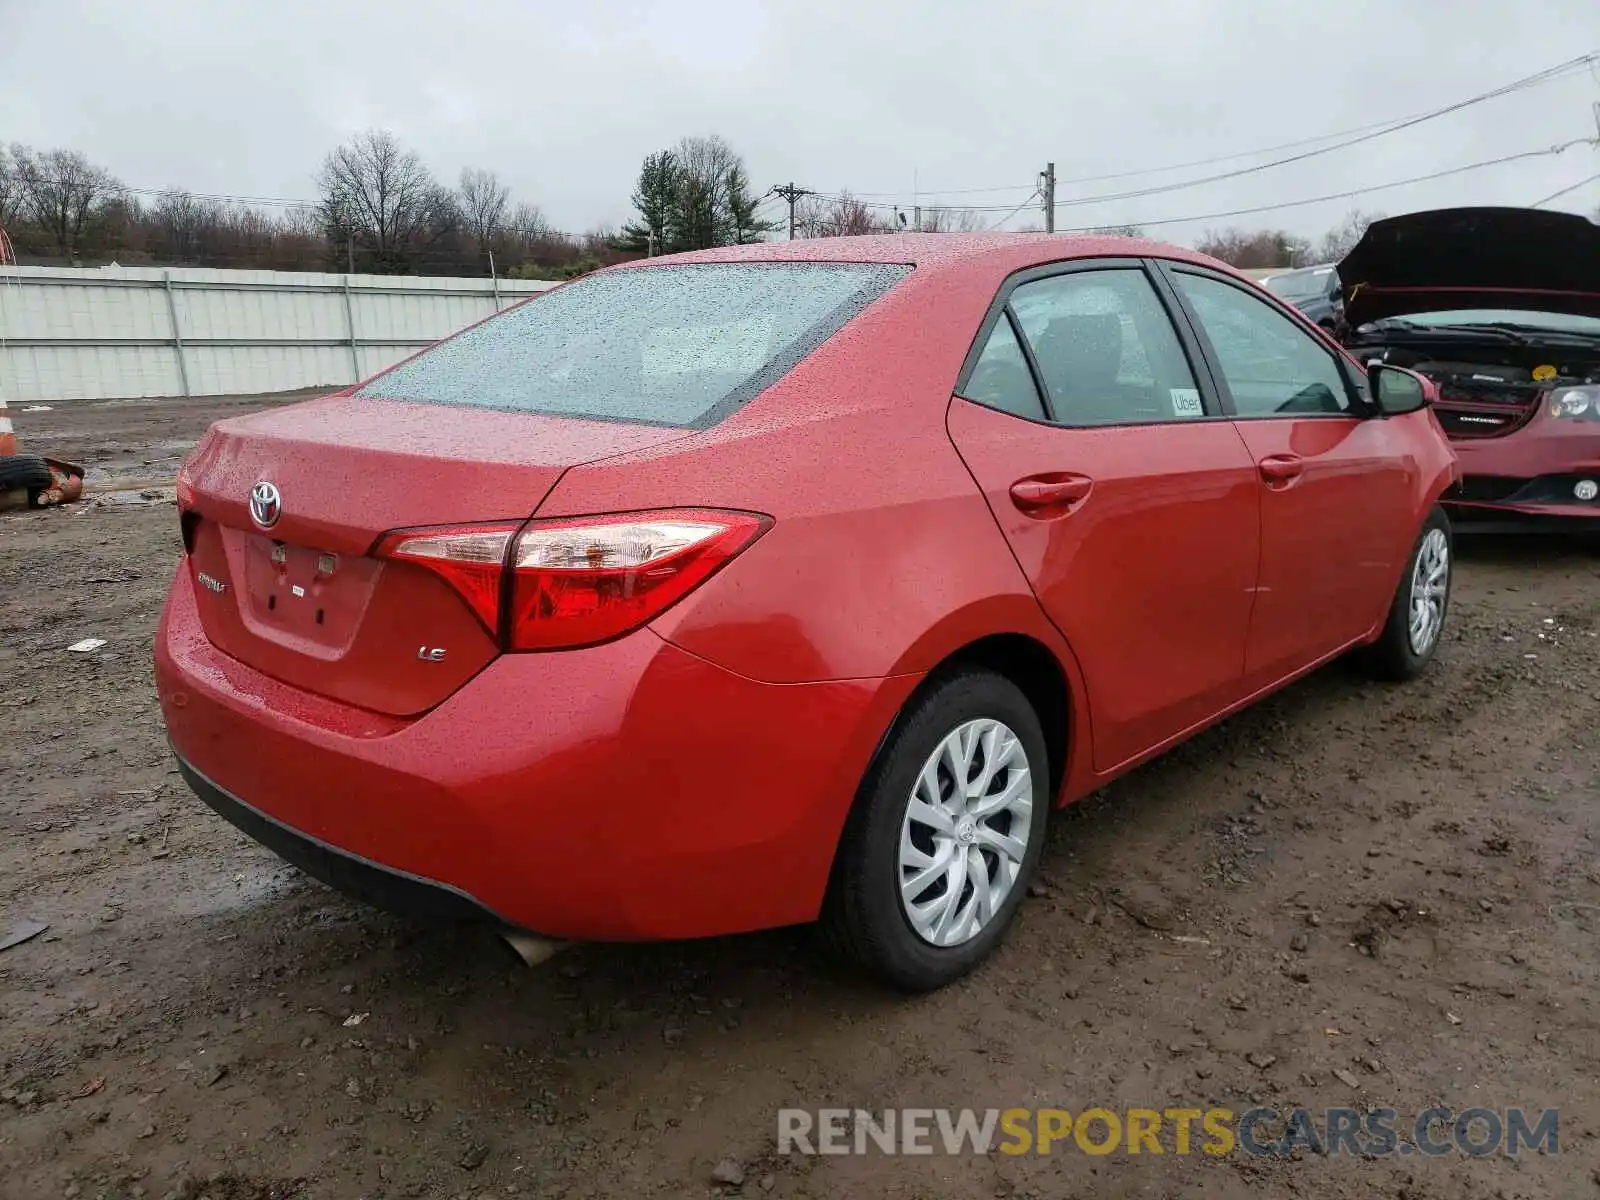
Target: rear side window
1001, 378
1106, 349
673, 345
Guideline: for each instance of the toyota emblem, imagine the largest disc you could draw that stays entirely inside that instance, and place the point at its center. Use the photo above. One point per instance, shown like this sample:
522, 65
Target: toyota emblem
266, 505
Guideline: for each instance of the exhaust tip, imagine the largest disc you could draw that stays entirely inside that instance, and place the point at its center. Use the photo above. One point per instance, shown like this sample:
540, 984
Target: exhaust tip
531, 948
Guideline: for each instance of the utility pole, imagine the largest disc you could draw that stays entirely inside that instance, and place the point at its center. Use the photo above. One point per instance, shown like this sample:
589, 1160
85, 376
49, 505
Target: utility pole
1047, 186
791, 193
650, 243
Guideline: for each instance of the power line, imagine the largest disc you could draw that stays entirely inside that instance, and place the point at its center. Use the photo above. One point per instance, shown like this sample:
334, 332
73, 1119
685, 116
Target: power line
970, 191
1356, 134
1163, 169
1536, 79
1518, 85
1362, 191
791, 193
1012, 213
1557, 72
1564, 191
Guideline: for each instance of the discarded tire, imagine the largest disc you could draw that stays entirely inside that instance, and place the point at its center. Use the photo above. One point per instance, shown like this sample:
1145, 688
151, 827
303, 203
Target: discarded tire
24, 471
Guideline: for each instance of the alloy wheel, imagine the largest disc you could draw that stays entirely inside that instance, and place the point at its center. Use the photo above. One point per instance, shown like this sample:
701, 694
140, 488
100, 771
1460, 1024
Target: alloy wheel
965, 832
1430, 585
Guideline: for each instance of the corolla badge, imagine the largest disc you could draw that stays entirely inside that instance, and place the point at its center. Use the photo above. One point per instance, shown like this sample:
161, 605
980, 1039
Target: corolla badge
266, 505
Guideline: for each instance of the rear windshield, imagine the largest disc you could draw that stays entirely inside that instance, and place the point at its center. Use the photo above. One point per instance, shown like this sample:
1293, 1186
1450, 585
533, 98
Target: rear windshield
672, 345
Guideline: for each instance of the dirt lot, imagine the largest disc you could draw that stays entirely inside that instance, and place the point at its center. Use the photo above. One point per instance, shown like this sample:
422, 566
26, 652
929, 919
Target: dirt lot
1396, 885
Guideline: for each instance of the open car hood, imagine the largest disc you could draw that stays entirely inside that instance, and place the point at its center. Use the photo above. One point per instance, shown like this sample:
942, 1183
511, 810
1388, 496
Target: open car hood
1518, 258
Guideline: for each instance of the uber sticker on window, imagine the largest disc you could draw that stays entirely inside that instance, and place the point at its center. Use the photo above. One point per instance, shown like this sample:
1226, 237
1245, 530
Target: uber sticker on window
1186, 402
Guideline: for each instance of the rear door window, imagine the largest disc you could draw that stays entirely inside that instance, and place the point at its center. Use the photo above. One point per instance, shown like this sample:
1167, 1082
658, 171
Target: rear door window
1106, 349
680, 345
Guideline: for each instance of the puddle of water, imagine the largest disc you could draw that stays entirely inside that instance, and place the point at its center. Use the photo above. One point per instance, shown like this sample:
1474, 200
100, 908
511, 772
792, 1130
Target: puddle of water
223, 895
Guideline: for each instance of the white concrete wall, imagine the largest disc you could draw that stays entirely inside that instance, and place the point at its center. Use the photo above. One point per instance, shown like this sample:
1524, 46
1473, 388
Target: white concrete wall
76, 334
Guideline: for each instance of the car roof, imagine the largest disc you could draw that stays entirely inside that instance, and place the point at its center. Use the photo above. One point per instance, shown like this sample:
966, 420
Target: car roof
1009, 251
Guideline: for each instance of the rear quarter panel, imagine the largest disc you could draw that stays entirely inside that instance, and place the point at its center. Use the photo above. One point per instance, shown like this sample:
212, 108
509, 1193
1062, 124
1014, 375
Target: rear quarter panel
883, 557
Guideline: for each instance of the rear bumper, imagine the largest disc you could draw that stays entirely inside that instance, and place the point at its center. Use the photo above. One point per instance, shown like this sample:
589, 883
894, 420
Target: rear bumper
627, 791
381, 886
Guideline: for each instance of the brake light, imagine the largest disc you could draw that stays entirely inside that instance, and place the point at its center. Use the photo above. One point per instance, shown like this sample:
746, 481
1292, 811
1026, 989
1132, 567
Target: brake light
590, 579
470, 558
577, 581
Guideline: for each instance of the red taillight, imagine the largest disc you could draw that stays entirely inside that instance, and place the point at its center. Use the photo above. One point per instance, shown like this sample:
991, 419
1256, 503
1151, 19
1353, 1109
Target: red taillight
590, 579
582, 580
470, 558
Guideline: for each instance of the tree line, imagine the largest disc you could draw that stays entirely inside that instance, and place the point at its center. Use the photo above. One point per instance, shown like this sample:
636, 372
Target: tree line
380, 209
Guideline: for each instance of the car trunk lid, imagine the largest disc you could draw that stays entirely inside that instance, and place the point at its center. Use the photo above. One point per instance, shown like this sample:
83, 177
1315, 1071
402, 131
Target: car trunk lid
302, 598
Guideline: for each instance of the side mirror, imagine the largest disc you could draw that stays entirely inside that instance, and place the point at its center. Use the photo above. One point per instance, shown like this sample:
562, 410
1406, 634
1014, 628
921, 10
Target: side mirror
1397, 391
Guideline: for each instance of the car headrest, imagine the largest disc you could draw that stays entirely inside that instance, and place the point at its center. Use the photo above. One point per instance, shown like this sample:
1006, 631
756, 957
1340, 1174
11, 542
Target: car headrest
1083, 350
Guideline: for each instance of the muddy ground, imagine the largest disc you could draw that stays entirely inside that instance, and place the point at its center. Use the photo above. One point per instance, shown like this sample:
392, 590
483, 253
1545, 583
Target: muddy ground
1352, 895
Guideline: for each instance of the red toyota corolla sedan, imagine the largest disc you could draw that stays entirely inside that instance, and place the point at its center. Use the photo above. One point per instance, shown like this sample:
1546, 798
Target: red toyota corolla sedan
786, 583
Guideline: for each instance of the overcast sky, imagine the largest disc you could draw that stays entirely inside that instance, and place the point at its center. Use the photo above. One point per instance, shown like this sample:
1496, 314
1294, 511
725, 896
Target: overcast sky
877, 96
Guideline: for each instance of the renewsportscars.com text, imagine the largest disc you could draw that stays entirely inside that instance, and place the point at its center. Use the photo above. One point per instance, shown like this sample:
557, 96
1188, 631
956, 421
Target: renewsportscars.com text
1379, 1132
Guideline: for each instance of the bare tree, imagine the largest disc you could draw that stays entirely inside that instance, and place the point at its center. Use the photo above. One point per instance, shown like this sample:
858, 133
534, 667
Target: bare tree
838, 216
183, 225
10, 188
950, 220
1256, 248
529, 221
484, 201
382, 200
704, 166
1342, 238
61, 191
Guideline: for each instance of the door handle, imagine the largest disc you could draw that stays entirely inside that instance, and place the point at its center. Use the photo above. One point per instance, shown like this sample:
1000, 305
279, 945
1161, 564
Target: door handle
1046, 496
1280, 468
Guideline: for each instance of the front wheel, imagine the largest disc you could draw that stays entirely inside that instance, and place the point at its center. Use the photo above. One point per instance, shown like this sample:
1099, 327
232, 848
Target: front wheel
1421, 602
944, 836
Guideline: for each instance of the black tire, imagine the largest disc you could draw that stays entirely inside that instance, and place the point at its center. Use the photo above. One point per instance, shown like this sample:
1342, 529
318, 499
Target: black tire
862, 919
24, 471
1392, 656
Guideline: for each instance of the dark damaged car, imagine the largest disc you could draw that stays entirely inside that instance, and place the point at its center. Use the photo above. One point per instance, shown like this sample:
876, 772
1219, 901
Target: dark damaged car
1500, 307
1315, 291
